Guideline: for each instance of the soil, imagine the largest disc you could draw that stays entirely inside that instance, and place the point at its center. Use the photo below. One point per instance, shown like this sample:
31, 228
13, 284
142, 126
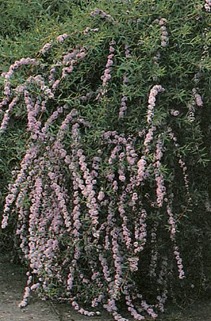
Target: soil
12, 282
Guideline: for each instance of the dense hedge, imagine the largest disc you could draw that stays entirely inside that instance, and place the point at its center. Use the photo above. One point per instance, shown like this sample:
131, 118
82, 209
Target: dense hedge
105, 132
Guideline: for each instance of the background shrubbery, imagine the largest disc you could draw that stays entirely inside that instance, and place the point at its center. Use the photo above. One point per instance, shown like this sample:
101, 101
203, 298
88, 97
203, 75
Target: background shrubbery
140, 81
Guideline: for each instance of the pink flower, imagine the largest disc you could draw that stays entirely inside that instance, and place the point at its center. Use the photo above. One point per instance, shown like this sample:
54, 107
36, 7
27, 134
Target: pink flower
61, 38
207, 5
46, 48
197, 97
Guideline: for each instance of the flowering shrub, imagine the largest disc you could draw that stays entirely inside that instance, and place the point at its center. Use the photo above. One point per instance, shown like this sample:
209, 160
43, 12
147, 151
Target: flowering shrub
110, 119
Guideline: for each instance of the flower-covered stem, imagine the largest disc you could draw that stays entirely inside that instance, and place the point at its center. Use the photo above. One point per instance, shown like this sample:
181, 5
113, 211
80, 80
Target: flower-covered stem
164, 33
69, 61
109, 225
130, 306
186, 178
107, 72
191, 110
149, 309
88, 191
141, 170
102, 14
173, 228
125, 230
34, 214
140, 231
182, 164
117, 259
156, 89
33, 124
61, 199
56, 220
154, 251
105, 268
161, 189
81, 310
27, 292
6, 118
28, 159
124, 99
88, 30
52, 118
162, 281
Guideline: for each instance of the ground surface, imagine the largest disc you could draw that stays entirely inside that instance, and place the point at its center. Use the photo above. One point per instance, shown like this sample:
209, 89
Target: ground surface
12, 282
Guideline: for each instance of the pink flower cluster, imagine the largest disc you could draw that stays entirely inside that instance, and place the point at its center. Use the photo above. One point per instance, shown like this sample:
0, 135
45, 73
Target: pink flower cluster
174, 112
140, 232
179, 262
69, 60
141, 172
88, 30
107, 72
102, 14
164, 32
123, 107
152, 100
197, 97
207, 5
45, 49
61, 38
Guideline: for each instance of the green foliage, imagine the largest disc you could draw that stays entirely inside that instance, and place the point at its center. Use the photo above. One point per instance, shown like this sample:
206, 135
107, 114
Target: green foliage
181, 65
25, 16
26, 25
